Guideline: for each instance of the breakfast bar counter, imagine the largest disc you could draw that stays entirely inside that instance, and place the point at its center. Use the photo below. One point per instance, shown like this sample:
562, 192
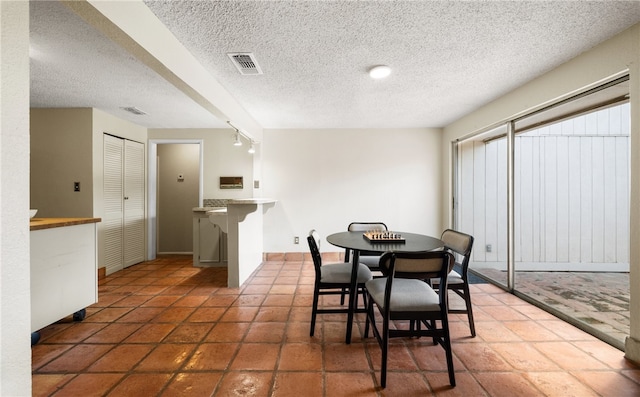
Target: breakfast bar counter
241, 220
245, 243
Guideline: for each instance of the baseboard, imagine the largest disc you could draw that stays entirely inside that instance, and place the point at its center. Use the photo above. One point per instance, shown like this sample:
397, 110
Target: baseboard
102, 273
301, 256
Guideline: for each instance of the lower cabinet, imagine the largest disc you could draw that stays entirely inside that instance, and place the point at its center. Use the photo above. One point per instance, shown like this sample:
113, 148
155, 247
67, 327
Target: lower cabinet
64, 277
209, 242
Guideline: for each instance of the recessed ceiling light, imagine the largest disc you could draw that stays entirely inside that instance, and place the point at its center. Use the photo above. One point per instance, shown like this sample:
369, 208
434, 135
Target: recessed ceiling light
379, 72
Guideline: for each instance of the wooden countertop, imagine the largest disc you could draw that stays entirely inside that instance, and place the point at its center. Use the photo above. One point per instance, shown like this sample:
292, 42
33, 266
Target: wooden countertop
48, 223
251, 201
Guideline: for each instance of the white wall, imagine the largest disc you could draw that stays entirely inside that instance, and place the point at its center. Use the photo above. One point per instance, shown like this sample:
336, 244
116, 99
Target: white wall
325, 179
614, 57
15, 301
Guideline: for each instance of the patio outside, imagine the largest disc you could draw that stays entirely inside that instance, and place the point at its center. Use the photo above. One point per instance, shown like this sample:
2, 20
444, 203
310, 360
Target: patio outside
597, 303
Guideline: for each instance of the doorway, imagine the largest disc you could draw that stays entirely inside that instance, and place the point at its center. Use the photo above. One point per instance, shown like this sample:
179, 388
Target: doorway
179, 155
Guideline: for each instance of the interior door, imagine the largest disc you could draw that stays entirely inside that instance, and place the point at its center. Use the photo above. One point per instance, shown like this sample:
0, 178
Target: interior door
134, 236
113, 220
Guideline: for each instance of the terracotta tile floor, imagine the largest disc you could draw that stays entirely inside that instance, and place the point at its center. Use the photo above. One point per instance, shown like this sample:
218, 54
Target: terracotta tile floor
165, 328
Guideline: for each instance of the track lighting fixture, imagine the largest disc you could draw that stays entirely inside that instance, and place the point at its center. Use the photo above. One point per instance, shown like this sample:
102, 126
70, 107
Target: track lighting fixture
237, 142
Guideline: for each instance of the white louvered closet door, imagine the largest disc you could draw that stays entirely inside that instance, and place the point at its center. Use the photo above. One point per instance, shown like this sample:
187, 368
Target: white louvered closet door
123, 203
113, 220
133, 203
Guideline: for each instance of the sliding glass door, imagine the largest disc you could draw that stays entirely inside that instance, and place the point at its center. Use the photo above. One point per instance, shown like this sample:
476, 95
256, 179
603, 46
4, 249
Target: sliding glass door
570, 208
572, 219
482, 201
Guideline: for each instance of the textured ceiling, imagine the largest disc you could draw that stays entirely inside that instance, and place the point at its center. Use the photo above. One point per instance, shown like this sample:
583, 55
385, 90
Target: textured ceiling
73, 65
448, 58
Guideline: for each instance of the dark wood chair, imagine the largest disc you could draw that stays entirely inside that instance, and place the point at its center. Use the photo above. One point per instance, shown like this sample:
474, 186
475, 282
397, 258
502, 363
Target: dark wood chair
332, 279
404, 296
369, 258
460, 244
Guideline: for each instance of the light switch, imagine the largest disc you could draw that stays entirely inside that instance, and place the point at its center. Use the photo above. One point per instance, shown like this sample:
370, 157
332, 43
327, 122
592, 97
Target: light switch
76, 186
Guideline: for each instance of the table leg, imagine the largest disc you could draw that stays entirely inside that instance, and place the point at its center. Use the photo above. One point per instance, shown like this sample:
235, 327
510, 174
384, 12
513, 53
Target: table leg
353, 294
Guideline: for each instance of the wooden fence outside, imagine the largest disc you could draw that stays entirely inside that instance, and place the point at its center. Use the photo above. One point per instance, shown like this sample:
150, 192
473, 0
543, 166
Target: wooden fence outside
571, 195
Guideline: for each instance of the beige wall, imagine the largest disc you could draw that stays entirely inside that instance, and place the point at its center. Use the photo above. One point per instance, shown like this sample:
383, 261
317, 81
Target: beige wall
617, 56
176, 198
61, 151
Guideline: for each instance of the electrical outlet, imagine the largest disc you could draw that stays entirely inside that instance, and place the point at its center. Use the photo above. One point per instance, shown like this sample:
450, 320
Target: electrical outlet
488, 247
296, 240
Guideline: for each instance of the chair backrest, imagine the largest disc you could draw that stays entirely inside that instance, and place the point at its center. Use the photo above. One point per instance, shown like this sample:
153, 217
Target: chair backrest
460, 243
364, 227
314, 246
418, 265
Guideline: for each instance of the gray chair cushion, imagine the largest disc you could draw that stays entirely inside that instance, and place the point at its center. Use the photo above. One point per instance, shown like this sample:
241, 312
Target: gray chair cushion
452, 278
406, 295
370, 261
341, 273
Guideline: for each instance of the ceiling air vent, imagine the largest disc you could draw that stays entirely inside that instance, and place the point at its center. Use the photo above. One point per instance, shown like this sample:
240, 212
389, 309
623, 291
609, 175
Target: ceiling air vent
245, 63
134, 110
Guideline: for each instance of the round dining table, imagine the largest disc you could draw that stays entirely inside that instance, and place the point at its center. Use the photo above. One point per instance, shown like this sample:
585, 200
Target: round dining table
356, 241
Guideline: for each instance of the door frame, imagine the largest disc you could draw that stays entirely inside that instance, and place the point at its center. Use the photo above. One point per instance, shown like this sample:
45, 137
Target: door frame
152, 183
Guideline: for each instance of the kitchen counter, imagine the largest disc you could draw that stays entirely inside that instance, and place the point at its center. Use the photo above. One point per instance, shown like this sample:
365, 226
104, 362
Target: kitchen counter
64, 272
48, 223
